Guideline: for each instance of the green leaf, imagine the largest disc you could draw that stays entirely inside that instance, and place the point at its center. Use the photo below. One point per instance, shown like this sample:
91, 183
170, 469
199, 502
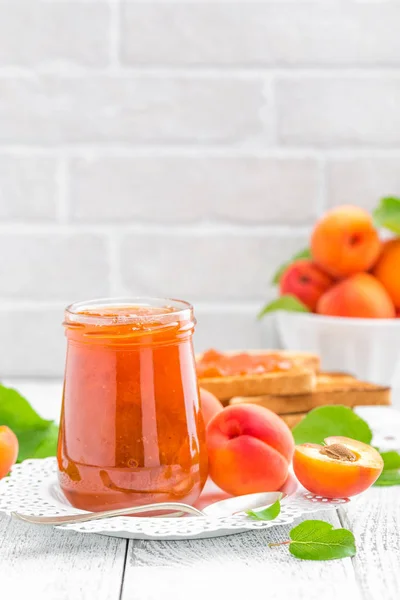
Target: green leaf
268, 514
391, 460
326, 421
391, 469
305, 253
285, 302
37, 437
28, 442
17, 413
388, 477
47, 443
317, 540
387, 214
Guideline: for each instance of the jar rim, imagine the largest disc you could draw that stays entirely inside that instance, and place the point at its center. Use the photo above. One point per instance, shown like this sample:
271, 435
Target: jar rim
175, 309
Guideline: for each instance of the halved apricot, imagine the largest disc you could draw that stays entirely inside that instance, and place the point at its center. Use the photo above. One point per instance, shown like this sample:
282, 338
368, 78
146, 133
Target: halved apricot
342, 468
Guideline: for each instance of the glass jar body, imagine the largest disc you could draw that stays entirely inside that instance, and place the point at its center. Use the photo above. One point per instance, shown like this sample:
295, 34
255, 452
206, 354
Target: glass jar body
131, 431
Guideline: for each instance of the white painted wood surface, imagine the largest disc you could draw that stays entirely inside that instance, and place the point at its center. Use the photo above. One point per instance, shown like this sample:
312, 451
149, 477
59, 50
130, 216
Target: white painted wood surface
47, 564
375, 521
52, 564
235, 567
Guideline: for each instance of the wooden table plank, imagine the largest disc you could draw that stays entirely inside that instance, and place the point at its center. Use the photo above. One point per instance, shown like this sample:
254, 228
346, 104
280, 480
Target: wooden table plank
375, 521
50, 564
235, 567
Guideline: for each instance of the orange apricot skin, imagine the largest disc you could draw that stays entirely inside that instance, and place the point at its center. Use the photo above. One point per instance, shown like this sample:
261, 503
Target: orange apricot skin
8, 450
361, 296
306, 281
249, 449
345, 242
209, 405
387, 269
333, 479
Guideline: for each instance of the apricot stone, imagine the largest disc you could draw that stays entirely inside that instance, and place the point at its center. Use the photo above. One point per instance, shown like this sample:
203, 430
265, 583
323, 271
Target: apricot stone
249, 449
345, 242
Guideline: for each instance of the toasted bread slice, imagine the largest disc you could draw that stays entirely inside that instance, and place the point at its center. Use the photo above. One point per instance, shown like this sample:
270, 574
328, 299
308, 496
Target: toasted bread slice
300, 379
294, 381
331, 388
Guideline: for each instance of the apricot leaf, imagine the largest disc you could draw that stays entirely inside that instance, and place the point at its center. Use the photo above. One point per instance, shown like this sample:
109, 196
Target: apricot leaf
267, 514
391, 460
17, 413
391, 469
305, 253
47, 443
286, 302
387, 214
37, 437
388, 477
318, 540
326, 421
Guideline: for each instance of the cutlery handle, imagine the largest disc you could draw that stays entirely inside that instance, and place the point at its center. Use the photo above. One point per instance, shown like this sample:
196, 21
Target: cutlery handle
70, 519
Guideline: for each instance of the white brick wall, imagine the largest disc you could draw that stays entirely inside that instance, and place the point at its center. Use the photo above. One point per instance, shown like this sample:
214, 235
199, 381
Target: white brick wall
259, 34
180, 148
232, 189
51, 33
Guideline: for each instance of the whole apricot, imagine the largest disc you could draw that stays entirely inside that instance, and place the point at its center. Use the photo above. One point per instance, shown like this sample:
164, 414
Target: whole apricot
249, 449
361, 295
209, 405
8, 450
387, 269
306, 281
345, 241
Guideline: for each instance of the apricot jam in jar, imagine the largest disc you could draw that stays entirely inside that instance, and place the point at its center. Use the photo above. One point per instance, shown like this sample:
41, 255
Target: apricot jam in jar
131, 431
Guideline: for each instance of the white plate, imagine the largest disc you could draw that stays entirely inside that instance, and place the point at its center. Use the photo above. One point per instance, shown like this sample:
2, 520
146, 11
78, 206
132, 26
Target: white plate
33, 489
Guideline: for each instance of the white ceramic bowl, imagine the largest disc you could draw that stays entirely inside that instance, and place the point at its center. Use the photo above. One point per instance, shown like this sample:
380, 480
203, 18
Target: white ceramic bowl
366, 348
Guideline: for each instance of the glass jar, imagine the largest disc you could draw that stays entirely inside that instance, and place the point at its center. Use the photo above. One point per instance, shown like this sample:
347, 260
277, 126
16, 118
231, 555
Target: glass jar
131, 431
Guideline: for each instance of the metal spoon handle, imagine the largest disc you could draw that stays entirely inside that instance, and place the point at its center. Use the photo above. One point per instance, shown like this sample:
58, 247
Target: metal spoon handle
70, 519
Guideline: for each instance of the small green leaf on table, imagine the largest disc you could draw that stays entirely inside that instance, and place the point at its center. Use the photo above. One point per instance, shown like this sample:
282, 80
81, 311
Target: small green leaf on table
391, 460
268, 514
305, 253
391, 469
286, 302
327, 421
388, 478
317, 540
387, 214
37, 437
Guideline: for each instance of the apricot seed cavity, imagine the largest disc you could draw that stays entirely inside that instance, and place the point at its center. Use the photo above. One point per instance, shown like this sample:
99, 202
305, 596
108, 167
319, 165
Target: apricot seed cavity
339, 452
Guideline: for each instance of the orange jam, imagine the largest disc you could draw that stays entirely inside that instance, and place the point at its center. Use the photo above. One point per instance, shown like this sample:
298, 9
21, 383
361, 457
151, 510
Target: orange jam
131, 430
217, 364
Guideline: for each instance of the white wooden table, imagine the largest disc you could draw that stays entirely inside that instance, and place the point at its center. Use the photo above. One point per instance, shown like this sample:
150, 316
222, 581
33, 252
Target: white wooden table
49, 564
